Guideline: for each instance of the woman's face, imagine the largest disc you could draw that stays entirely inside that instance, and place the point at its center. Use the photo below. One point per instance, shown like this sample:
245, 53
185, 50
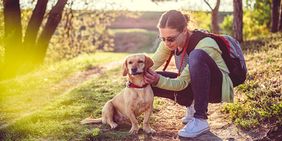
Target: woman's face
172, 38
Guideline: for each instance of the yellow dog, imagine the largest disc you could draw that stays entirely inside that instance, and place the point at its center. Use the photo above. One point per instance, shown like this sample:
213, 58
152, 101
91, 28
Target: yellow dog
136, 98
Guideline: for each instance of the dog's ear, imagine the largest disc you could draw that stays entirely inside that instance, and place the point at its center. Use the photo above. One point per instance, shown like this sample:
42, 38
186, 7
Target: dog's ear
125, 70
148, 62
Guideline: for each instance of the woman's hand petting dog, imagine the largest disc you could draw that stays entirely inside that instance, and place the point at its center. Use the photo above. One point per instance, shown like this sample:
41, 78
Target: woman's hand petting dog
151, 77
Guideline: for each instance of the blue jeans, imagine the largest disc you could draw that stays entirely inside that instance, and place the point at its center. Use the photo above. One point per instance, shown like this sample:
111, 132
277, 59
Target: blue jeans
205, 86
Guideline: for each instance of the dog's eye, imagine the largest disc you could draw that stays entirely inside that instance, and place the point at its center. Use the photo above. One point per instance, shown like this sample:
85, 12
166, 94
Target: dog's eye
129, 62
140, 61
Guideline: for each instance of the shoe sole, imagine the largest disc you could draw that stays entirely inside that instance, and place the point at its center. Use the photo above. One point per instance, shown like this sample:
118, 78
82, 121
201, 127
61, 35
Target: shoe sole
201, 133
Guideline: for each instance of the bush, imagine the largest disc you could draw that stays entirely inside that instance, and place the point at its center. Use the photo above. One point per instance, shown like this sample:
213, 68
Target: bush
200, 20
226, 25
252, 28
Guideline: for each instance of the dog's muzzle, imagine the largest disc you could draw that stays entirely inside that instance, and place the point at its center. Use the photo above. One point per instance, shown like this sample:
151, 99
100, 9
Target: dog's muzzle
134, 71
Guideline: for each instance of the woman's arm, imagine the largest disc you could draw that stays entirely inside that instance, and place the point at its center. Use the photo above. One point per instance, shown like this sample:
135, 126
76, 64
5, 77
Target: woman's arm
174, 84
160, 56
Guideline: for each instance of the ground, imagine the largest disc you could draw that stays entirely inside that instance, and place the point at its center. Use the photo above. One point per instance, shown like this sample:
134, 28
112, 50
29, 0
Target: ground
167, 122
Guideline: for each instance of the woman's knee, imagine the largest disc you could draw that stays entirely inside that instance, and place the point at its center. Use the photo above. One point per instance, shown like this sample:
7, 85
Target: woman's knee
196, 56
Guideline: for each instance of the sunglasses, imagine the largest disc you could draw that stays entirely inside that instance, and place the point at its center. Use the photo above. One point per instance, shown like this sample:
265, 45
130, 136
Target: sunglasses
169, 39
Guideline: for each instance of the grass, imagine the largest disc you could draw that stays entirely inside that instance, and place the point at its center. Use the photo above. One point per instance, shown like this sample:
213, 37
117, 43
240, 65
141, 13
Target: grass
59, 120
259, 100
28, 93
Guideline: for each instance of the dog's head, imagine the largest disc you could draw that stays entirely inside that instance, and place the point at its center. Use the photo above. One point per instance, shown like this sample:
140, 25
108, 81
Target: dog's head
136, 64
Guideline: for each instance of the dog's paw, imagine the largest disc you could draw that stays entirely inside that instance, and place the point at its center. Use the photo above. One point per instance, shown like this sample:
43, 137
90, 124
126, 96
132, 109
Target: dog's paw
113, 125
133, 130
149, 130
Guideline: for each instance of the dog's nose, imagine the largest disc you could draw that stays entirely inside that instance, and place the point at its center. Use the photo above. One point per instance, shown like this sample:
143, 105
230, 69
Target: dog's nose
134, 70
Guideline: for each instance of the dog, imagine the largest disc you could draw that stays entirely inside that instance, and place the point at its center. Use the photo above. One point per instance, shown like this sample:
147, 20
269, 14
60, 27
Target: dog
136, 98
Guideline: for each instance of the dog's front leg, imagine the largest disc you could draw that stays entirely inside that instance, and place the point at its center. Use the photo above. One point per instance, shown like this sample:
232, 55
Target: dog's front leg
134, 123
146, 125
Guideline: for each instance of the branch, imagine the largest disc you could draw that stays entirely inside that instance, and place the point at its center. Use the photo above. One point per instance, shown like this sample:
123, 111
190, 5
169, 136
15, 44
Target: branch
208, 4
217, 5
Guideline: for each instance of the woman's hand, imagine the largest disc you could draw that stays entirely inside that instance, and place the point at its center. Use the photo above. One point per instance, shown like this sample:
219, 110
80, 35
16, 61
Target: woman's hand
151, 77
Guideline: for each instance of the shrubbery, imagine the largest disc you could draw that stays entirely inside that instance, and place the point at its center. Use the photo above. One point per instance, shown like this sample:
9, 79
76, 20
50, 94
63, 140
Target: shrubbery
82, 32
252, 28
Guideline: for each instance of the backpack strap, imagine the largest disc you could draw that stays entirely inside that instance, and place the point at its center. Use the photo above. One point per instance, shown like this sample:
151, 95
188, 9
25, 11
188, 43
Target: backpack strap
168, 60
196, 36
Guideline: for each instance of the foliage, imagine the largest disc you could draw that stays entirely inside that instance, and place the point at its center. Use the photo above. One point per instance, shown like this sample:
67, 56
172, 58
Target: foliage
257, 29
82, 32
256, 19
200, 20
259, 101
135, 40
226, 25
261, 11
78, 32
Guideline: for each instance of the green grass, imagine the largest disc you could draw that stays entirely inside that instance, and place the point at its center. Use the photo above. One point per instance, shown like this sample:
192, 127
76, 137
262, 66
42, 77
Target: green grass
26, 94
60, 119
259, 100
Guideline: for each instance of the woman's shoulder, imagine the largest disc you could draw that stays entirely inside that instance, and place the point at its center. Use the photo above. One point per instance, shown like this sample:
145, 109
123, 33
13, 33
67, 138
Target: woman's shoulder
207, 41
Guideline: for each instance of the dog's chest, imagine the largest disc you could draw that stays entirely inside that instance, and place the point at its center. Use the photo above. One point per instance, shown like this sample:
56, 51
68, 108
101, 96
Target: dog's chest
142, 102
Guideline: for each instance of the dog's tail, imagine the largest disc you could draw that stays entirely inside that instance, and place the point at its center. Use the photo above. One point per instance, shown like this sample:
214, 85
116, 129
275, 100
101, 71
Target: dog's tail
90, 120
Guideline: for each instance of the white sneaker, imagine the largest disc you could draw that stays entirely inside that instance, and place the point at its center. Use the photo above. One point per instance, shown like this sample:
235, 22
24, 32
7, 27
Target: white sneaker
189, 114
194, 128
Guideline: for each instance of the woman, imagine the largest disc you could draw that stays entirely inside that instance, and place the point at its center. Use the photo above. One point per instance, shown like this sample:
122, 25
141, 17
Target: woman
203, 75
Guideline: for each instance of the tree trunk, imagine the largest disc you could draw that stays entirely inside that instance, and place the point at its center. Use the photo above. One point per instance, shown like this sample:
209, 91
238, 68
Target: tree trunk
214, 17
275, 7
54, 19
34, 24
13, 27
280, 23
12, 36
215, 26
238, 20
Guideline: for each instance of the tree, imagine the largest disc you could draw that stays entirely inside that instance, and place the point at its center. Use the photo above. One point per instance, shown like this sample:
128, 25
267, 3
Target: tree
22, 54
280, 23
54, 19
12, 32
238, 20
275, 7
214, 20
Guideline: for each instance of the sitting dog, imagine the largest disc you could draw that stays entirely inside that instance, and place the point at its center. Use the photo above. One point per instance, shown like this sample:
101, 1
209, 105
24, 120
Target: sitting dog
136, 98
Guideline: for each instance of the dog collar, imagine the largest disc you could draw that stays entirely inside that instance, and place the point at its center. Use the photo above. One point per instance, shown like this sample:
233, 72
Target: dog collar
131, 85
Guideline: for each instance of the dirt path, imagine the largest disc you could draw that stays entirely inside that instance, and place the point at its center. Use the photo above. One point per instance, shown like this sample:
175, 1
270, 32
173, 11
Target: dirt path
168, 122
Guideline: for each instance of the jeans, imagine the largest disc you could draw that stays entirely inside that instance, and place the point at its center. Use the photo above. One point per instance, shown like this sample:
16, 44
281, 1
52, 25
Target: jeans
205, 85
